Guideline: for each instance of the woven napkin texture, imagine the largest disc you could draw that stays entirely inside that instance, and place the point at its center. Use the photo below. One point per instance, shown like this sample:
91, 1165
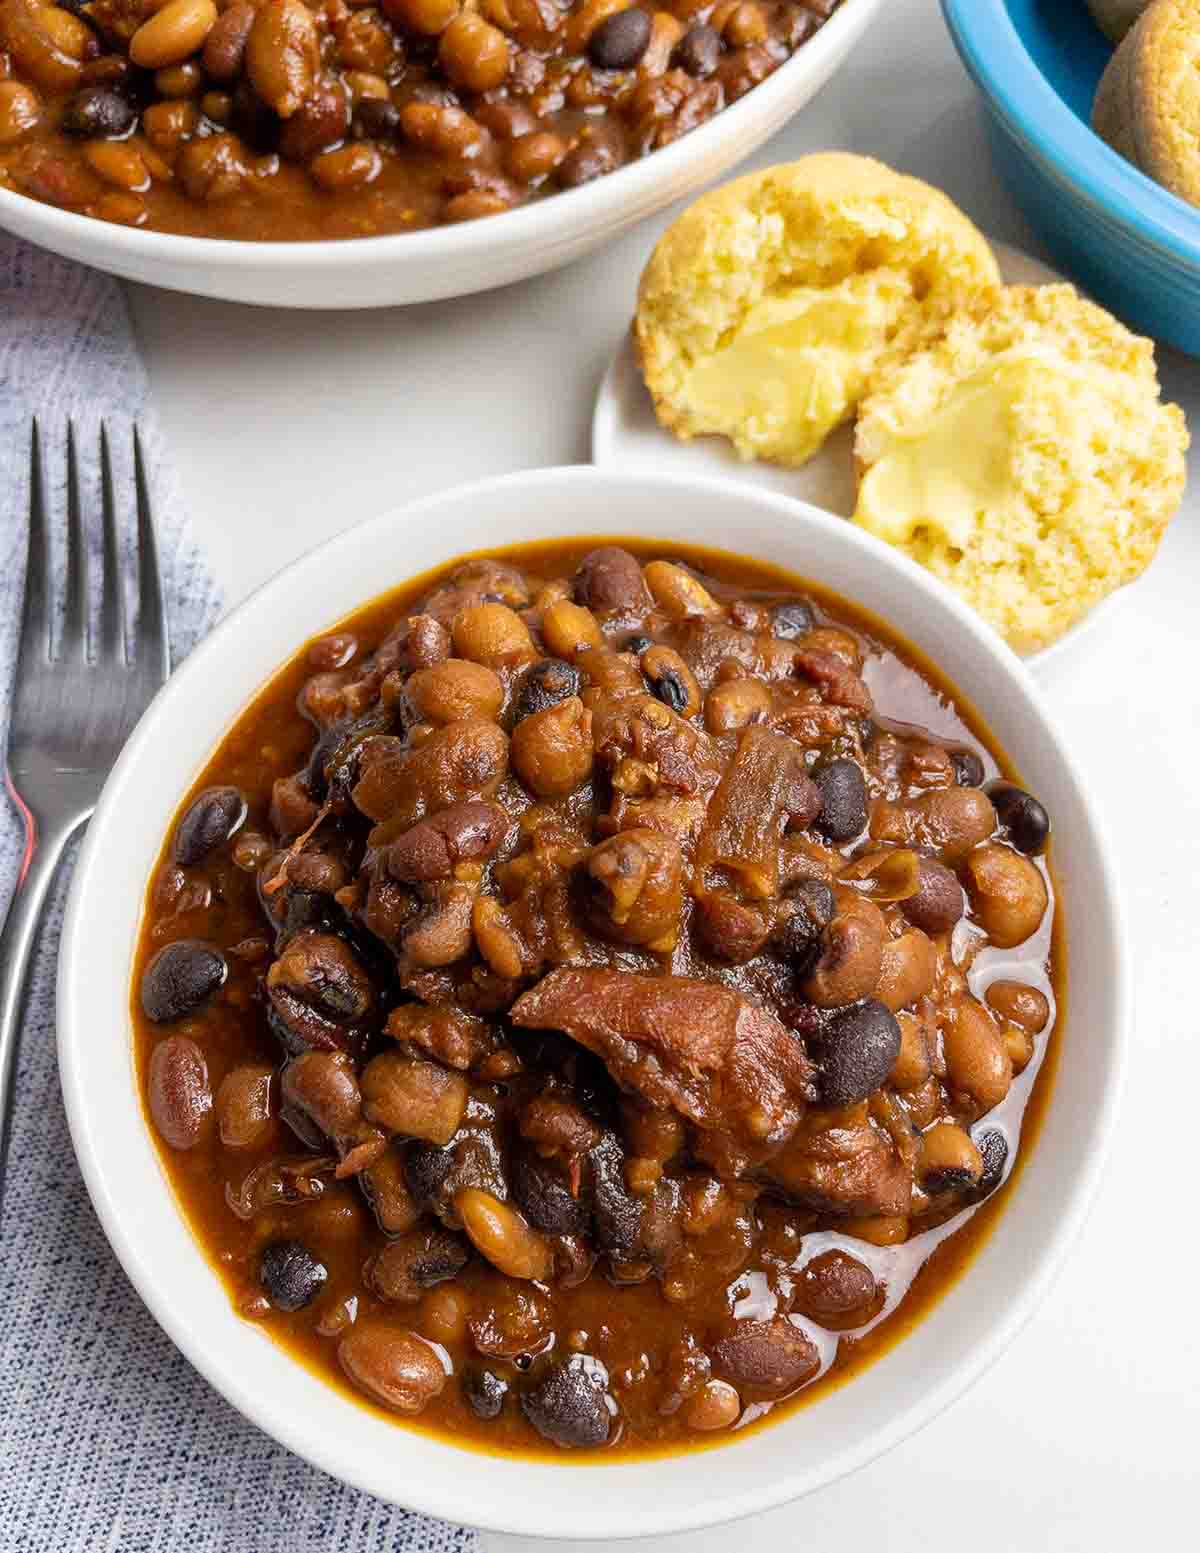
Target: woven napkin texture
109, 1440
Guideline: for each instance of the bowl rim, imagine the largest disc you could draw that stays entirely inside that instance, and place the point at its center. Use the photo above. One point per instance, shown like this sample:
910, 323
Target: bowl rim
91, 1134
994, 52
558, 217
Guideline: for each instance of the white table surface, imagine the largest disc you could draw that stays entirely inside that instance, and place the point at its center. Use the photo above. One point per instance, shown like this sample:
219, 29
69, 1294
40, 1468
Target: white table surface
289, 427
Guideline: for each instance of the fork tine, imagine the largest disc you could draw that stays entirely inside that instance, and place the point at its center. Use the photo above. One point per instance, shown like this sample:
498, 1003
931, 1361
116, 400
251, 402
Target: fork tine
153, 649
111, 642
35, 616
75, 617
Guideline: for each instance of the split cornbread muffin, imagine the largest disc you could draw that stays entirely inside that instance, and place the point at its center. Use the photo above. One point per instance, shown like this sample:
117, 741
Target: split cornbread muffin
770, 306
1148, 102
1025, 458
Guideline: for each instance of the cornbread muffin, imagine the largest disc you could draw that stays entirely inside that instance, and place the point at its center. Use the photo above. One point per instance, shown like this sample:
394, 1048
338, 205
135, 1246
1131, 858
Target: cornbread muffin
1147, 105
1115, 17
1025, 458
770, 305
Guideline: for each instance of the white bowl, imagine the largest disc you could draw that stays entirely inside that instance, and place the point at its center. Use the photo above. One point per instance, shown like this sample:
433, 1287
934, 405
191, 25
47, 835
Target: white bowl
975, 1319
450, 261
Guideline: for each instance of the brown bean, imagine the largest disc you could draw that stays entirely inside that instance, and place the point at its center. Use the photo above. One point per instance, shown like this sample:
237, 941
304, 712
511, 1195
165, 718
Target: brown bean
46, 44
20, 111
679, 593
771, 1358
977, 1064
552, 750
473, 53
837, 1290
453, 690
938, 903
321, 120
393, 1365
906, 971
504, 1236
953, 820
428, 17
474, 204
283, 54
535, 155
418, 1099
172, 34
491, 634
444, 131
715, 1406
244, 1105
175, 81
1021, 1004
1008, 894
912, 1067
178, 1091
225, 45
117, 163
403, 1269
609, 581
213, 169
347, 167
569, 629
167, 124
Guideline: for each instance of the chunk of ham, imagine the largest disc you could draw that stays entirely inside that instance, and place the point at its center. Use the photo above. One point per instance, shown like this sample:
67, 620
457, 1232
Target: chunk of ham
696, 1047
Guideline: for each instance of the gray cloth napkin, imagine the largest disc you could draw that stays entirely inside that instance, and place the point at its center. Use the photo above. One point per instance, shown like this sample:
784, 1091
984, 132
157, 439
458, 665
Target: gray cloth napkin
109, 1440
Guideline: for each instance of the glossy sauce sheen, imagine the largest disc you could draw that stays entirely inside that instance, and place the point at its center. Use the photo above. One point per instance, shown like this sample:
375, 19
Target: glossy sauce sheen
631, 1328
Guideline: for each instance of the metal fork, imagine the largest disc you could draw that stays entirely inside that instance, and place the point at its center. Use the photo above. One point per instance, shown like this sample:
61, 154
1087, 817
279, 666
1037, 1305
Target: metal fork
72, 711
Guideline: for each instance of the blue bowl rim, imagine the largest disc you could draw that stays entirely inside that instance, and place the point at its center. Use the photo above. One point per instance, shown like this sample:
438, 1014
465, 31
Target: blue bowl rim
995, 54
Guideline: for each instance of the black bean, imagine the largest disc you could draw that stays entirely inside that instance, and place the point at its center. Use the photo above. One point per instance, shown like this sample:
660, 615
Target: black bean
968, 768
99, 111
425, 1170
485, 1391
843, 792
791, 620
291, 1275
570, 1404
803, 916
699, 51
668, 686
1022, 816
211, 819
993, 1150
375, 119
620, 41
180, 977
860, 1046
545, 1198
544, 684
939, 901
637, 644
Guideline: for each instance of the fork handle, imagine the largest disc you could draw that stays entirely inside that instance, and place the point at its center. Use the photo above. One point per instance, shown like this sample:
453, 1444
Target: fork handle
16, 953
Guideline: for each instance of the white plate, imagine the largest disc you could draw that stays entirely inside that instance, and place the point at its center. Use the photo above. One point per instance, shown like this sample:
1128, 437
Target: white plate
627, 437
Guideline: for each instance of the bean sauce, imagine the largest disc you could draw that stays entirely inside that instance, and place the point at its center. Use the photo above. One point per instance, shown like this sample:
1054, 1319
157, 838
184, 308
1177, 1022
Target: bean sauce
590, 1003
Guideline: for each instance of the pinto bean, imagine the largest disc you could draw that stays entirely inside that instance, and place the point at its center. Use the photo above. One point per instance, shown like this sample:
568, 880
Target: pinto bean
772, 1358
609, 581
552, 751
225, 45
977, 1064
244, 1105
415, 1098
907, 970
455, 689
283, 54
938, 903
173, 33
1008, 894
569, 629
393, 1365
432, 848
504, 1236
837, 1290
178, 1091
1021, 1004
323, 1086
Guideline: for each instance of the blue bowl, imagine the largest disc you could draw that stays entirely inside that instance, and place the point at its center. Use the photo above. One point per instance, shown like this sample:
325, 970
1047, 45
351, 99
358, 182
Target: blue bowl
1128, 242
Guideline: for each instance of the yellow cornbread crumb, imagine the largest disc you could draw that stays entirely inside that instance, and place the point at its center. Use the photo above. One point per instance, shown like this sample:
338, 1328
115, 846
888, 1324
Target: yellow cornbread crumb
769, 306
1025, 459
1147, 105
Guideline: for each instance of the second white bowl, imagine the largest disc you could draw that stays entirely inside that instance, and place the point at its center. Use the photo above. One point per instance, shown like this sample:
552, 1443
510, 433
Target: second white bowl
847, 1427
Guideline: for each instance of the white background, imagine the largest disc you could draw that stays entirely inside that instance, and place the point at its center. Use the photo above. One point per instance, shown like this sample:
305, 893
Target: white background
287, 427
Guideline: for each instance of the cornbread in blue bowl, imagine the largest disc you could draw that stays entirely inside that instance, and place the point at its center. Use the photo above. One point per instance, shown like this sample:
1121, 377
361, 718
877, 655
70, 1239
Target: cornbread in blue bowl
1131, 244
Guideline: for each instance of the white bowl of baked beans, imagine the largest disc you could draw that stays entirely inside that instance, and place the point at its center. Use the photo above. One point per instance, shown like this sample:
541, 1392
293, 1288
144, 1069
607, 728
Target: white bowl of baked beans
979, 1310
434, 154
